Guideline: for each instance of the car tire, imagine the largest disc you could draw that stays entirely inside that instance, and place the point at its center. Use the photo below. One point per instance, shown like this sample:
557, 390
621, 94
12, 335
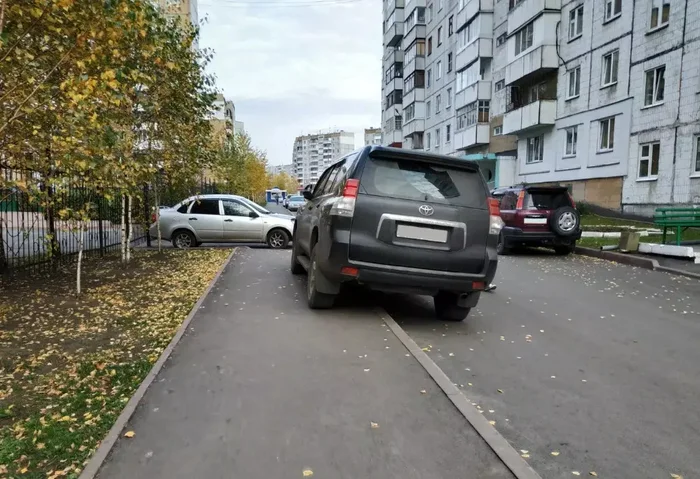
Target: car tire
315, 298
565, 221
447, 309
565, 250
183, 239
501, 247
296, 267
278, 239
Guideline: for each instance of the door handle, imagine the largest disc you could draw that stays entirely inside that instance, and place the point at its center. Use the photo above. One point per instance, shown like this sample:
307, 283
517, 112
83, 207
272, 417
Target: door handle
228, 221
193, 219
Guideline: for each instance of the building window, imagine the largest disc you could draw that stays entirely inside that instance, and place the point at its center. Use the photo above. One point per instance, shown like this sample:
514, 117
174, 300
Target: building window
448, 104
410, 112
398, 122
500, 85
660, 10
430, 46
654, 86
427, 141
613, 9
607, 134
438, 101
448, 133
430, 13
450, 25
439, 69
439, 36
441, 3
470, 114
697, 155
576, 22
535, 150
523, 39
574, 83
497, 130
610, 63
449, 62
484, 107
414, 80
571, 141
500, 40
462, 119
437, 138
430, 78
417, 50
427, 108
417, 17
649, 160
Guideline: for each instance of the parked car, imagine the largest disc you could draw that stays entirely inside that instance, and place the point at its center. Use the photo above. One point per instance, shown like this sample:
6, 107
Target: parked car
222, 219
538, 216
262, 210
295, 202
399, 220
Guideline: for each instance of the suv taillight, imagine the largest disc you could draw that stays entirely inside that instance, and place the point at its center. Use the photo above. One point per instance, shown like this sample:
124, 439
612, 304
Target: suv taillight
521, 200
153, 218
345, 205
495, 221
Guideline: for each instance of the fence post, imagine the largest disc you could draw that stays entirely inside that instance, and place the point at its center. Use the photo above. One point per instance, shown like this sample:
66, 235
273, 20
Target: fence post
100, 227
147, 216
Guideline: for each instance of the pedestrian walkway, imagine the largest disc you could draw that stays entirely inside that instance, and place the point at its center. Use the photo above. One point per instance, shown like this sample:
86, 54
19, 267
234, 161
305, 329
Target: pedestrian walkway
261, 387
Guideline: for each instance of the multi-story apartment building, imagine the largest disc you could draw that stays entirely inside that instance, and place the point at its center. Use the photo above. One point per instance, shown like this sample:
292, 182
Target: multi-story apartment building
312, 154
600, 95
373, 136
278, 169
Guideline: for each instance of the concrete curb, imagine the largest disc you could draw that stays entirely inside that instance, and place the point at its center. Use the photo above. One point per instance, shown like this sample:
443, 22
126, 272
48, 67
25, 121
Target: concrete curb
97, 459
645, 263
507, 453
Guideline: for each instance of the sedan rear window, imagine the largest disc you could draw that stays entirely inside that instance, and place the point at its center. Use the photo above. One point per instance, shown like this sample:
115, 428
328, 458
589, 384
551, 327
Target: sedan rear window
421, 181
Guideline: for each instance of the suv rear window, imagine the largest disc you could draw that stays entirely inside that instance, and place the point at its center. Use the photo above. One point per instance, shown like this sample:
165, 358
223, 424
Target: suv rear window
546, 200
420, 181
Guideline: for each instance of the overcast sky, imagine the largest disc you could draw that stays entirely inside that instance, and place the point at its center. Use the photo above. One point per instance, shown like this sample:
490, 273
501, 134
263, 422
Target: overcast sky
293, 70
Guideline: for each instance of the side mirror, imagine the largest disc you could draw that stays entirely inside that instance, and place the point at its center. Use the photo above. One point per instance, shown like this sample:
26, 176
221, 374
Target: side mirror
253, 214
307, 194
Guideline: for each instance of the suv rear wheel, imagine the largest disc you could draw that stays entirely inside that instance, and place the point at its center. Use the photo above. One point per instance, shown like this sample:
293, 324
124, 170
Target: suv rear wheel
315, 298
447, 308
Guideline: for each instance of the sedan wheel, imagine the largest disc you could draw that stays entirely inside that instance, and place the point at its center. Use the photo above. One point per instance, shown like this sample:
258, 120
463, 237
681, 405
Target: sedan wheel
184, 240
278, 239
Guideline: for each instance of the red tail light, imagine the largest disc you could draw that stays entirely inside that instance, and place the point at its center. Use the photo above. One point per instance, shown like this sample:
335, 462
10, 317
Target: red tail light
153, 218
521, 200
351, 188
494, 207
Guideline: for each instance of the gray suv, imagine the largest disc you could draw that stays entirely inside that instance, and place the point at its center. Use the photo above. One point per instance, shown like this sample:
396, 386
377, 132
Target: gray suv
399, 220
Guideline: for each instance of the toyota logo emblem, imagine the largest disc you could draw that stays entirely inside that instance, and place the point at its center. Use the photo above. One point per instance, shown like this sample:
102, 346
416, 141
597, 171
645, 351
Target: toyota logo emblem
426, 210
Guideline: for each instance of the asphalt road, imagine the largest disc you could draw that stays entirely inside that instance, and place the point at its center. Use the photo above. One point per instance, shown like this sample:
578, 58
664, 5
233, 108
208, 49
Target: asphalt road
598, 363
262, 387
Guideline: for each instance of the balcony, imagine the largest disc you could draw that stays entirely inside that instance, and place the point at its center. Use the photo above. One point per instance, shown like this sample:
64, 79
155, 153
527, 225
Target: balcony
541, 60
522, 11
481, 47
417, 94
395, 84
394, 32
417, 125
537, 114
418, 63
391, 5
418, 31
480, 90
392, 137
474, 135
471, 9
393, 55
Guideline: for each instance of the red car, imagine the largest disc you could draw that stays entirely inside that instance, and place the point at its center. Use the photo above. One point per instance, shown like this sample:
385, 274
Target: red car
538, 216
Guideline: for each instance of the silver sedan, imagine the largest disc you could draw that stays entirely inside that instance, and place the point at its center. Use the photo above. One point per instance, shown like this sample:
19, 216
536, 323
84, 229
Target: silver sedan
222, 219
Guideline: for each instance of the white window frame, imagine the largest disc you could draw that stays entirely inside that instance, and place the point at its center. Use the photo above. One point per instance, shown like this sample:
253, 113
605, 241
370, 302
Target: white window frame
612, 10
439, 70
427, 108
439, 36
575, 76
607, 124
696, 158
570, 141
524, 38
497, 130
437, 137
438, 101
427, 141
534, 150
576, 22
611, 61
448, 104
441, 4
658, 5
649, 159
657, 77
448, 133
500, 85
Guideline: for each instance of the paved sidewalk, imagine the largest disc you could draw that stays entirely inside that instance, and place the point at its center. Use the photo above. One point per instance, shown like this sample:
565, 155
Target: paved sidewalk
262, 387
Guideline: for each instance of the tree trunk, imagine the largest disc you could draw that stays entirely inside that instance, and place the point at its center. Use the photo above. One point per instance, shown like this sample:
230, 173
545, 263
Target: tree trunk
160, 237
130, 230
81, 240
123, 228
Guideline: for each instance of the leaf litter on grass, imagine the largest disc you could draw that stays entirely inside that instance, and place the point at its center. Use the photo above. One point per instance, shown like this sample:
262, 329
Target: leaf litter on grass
69, 365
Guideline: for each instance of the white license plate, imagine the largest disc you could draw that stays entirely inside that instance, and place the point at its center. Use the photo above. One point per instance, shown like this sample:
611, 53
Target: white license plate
424, 234
535, 221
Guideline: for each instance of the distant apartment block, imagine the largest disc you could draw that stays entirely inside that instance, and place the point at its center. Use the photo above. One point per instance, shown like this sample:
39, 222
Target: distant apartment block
223, 118
314, 153
277, 169
600, 95
373, 136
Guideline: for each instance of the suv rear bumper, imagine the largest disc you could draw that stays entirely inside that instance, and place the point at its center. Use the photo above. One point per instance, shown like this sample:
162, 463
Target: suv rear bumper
518, 236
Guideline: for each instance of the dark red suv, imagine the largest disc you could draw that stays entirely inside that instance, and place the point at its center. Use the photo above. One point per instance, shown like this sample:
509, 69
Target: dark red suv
538, 216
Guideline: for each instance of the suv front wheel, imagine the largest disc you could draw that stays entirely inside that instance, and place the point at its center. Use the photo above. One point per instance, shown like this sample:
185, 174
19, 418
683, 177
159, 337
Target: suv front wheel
447, 309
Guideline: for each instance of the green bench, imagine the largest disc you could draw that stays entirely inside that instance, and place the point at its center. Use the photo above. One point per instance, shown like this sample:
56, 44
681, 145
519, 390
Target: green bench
679, 218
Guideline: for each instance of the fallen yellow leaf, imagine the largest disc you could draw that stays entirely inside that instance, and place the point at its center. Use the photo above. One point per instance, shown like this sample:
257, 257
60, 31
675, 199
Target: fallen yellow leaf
676, 476
374, 425
493, 423
129, 434
555, 453
593, 473
575, 473
308, 473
